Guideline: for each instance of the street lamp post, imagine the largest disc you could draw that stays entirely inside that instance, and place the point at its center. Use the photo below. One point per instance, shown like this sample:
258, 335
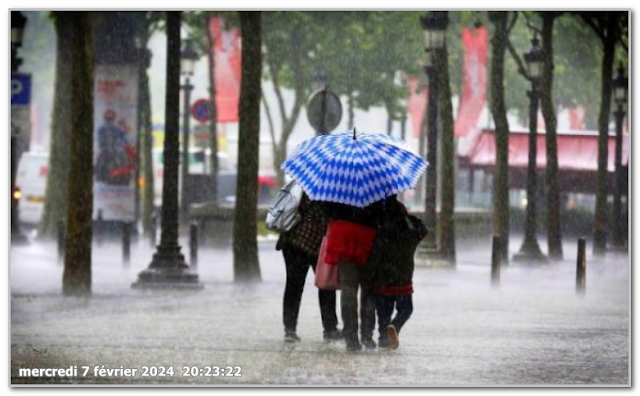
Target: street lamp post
188, 58
530, 249
320, 84
18, 24
620, 90
434, 25
141, 59
168, 268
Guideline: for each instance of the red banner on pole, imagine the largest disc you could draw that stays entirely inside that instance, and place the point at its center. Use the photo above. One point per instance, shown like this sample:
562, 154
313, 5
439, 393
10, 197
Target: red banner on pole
227, 69
474, 74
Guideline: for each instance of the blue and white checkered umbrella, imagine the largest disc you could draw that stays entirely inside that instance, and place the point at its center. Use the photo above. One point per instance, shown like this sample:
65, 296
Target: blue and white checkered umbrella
354, 169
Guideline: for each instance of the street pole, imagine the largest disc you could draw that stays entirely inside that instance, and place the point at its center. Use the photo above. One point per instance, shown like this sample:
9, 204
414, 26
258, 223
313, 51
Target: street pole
618, 241
431, 191
530, 250
168, 268
18, 23
186, 128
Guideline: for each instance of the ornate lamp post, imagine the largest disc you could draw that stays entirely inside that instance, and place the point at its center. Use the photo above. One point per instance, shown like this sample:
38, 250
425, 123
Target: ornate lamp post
530, 249
18, 24
188, 59
434, 25
168, 268
620, 91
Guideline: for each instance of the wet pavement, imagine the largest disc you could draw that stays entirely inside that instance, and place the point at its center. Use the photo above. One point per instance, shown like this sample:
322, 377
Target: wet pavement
531, 330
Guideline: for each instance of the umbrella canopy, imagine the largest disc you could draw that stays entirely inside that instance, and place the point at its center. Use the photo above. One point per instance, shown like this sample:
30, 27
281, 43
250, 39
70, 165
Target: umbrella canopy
354, 169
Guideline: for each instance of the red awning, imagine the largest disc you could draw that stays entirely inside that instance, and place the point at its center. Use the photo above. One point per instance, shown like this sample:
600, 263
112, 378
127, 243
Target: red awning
577, 151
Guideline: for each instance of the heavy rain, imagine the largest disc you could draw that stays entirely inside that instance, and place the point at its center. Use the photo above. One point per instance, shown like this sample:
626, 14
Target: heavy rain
320, 198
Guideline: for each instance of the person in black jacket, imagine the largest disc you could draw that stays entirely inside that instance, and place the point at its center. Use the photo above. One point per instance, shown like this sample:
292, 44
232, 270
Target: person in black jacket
392, 264
300, 247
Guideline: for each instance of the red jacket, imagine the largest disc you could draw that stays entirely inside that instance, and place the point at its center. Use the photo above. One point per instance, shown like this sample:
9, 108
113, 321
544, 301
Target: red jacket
349, 241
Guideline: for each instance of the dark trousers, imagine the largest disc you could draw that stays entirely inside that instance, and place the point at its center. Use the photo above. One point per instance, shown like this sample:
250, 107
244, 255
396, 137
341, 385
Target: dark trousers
298, 263
385, 305
353, 277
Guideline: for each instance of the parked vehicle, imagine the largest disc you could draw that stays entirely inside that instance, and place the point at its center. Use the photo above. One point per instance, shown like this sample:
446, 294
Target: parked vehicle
31, 182
33, 169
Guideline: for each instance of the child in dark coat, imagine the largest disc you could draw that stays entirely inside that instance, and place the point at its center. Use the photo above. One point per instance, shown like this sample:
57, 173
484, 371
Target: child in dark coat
392, 266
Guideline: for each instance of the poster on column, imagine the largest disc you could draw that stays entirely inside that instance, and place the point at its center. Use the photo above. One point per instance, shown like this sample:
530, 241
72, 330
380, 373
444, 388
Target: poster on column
115, 135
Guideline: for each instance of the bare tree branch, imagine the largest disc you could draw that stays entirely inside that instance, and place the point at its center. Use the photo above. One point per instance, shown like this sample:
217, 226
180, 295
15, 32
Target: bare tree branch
269, 119
624, 45
531, 25
513, 22
273, 72
521, 68
598, 30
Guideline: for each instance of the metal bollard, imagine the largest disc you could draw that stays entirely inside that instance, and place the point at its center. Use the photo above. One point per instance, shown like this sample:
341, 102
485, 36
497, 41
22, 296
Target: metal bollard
99, 228
154, 230
581, 270
61, 240
193, 244
126, 244
496, 260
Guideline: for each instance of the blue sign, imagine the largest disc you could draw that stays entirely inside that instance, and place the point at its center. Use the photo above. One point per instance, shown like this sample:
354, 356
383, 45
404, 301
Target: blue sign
20, 89
201, 110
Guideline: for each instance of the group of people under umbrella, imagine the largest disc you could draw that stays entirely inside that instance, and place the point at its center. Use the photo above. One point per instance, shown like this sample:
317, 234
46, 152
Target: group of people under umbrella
350, 228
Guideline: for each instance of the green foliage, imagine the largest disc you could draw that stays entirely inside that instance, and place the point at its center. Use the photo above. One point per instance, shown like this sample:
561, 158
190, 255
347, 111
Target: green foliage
359, 52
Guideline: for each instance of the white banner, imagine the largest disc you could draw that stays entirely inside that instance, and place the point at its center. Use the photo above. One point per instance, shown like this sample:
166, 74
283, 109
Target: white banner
115, 135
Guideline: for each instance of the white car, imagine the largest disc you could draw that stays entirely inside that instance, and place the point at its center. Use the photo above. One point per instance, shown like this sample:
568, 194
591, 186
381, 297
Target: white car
31, 181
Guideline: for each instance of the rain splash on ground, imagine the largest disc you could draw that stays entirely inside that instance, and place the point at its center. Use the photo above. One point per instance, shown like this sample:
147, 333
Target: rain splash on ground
532, 330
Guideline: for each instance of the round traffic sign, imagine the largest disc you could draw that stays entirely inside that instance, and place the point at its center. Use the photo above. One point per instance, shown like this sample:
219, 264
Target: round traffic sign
324, 111
201, 110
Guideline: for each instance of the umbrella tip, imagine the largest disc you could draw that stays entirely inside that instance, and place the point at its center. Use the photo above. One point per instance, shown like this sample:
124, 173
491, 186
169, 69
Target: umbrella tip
354, 133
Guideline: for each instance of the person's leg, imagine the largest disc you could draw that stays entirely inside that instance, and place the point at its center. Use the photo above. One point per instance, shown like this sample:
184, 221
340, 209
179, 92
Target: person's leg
297, 268
384, 308
367, 313
349, 303
404, 306
327, 299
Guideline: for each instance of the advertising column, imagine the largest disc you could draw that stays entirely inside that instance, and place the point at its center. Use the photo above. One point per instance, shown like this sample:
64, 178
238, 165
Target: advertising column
115, 136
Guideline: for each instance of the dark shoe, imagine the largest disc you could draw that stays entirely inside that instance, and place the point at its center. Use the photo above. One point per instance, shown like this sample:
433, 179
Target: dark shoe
353, 345
383, 343
291, 336
333, 335
392, 332
369, 343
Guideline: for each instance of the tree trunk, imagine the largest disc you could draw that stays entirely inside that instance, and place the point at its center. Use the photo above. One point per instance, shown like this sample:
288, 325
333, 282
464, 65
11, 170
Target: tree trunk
213, 123
146, 131
431, 181
600, 219
245, 231
77, 262
499, 113
56, 190
446, 222
554, 231
288, 122
274, 141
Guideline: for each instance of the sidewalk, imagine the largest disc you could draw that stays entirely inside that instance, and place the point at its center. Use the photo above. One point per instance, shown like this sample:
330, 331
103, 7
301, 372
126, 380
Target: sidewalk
533, 330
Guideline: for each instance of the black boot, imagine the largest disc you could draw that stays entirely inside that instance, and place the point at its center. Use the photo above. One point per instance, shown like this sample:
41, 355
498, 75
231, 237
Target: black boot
291, 336
353, 345
368, 342
333, 335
